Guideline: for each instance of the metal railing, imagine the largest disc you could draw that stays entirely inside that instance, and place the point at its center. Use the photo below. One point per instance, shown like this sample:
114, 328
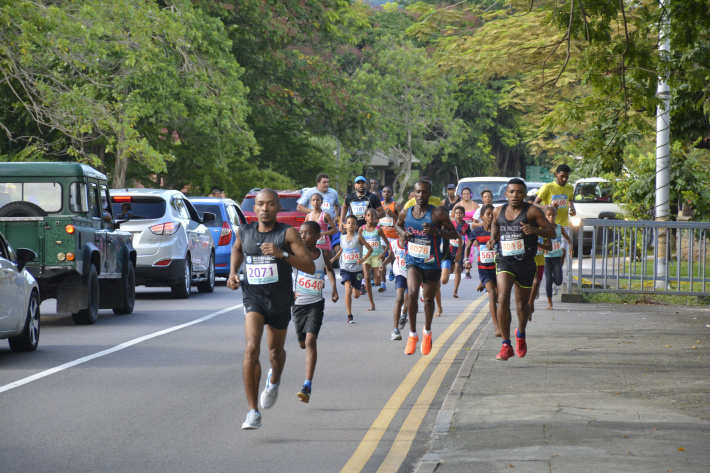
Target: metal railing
643, 257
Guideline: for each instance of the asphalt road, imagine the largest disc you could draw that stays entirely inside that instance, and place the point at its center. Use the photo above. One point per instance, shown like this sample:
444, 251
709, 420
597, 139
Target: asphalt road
161, 390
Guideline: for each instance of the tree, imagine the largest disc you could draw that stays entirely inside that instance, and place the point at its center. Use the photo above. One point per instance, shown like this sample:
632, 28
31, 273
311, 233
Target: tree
123, 80
411, 111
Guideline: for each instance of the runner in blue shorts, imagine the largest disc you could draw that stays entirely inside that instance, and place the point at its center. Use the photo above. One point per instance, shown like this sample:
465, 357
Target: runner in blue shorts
398, 250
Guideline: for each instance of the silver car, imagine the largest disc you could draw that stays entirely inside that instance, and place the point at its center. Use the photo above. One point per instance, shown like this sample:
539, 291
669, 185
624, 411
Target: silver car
174, 247
19, 298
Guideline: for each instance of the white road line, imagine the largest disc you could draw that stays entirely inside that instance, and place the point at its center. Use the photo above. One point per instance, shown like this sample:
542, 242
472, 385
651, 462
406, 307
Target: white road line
120, 347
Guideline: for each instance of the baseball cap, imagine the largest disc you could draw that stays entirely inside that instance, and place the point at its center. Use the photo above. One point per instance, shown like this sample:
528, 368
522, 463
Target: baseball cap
360, 178
451, 186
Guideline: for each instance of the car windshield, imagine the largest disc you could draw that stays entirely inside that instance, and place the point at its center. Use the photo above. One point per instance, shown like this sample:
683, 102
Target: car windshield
288, 204
213, 208
592, 192
496, 187
130, 207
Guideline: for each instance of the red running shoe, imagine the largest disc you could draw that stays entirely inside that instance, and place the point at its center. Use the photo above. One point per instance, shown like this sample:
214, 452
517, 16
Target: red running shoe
506, 351
521, 347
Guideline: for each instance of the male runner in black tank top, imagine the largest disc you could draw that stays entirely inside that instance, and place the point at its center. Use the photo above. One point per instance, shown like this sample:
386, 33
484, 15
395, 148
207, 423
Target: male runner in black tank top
516, 227
271, 248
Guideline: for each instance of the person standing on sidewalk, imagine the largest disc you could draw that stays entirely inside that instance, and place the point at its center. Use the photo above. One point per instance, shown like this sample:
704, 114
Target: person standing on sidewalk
423, 226
270, 249
515, 229
310, 305
558, 194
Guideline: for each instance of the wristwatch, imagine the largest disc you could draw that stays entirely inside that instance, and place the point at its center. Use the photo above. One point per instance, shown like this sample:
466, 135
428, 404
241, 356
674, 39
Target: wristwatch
285, 254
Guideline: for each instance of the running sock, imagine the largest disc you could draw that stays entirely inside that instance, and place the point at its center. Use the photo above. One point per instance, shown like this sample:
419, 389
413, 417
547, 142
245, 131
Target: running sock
519, 334
506, 341
413, 334
427, 332
270, 385
307, 384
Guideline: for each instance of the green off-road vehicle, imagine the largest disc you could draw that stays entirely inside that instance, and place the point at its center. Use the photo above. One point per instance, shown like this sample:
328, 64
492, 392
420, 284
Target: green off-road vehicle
62, 212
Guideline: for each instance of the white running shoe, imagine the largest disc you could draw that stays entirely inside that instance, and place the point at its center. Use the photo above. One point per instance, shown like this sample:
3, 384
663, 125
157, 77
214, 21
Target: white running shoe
253, 420
554, 289
268, 396
396, 335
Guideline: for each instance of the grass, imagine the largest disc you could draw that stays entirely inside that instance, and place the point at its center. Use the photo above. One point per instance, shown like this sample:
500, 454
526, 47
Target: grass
656, 299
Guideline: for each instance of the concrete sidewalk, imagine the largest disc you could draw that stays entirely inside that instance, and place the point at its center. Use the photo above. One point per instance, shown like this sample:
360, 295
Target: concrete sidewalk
603, 388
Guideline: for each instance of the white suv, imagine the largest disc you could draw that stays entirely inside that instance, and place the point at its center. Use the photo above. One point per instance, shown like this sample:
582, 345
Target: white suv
174, 248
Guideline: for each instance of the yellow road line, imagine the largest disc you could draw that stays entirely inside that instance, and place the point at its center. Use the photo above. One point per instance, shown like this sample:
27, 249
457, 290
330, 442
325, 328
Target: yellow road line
403, 443
378, 428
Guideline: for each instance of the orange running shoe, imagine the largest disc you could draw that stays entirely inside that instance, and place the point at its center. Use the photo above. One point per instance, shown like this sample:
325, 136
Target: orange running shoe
426, 344
411, 345
521, 346
506, 351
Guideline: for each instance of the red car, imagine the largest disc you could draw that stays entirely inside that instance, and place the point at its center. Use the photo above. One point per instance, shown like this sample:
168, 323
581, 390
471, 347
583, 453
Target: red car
289, 213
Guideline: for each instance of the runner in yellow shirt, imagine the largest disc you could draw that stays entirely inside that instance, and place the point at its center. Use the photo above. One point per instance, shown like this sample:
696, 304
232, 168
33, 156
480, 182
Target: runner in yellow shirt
558, 194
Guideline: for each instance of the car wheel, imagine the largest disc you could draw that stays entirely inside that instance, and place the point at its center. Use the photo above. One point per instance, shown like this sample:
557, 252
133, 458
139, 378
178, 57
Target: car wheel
90, 315
208, 285
181, 290
128, 289
29, 338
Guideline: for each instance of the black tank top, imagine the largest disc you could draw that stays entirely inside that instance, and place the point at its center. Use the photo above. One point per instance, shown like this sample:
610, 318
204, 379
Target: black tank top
267, 280
513, 242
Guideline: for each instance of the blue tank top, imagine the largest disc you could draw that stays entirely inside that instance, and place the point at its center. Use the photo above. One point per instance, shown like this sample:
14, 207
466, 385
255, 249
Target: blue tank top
422, 249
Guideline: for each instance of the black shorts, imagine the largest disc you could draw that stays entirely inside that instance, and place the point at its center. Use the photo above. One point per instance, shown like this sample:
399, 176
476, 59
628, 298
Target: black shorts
308, 319
524, 270
427, 274
277, 320
354, 278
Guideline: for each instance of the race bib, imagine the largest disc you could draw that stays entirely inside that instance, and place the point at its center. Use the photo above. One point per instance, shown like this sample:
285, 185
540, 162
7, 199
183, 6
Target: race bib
512, 247
454, 243
486, 256
560, 200
261, 270
311, 284
350, 255
374, 242
358, 208
326, 205
556, 245
321, 241
419, 251
387, 221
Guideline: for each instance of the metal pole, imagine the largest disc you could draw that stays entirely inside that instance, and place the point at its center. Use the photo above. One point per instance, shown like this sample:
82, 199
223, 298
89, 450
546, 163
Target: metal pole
663, 151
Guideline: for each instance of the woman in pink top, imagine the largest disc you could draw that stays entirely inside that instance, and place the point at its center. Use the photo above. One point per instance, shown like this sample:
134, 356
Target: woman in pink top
468, 205
323, 219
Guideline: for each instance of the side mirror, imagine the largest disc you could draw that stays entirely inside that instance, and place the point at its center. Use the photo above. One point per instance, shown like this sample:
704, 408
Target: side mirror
24, 256
208, 217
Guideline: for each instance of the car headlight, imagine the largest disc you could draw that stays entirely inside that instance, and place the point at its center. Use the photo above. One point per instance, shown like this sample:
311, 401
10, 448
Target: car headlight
576, 221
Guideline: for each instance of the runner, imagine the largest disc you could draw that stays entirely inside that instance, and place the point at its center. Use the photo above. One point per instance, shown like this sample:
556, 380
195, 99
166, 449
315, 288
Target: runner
374, 187
553, 258
457, 246
358, 202
559, 195
487, 198
398, 249
421, 226
542, 245
374, 237
516, 225
351, 260
309, 307
451, 199
454, 251
479, 236
270, 249
331, 204
392, 210
324, 221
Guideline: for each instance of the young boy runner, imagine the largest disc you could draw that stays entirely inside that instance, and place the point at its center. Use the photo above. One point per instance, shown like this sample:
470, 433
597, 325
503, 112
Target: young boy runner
479, 236
270, 249
457, 247
553, 258
398, 250
309, 307
374, 237
351, 260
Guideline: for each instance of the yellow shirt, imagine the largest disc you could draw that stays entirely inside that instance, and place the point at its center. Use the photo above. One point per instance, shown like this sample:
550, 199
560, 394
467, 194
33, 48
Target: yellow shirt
435, 201
562, 195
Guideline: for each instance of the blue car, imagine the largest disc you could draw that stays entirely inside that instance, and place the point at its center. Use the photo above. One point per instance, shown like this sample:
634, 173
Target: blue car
229, 217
